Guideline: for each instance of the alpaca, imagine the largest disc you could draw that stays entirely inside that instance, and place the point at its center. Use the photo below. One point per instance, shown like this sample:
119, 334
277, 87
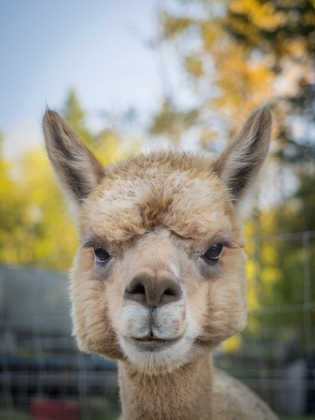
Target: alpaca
159, 277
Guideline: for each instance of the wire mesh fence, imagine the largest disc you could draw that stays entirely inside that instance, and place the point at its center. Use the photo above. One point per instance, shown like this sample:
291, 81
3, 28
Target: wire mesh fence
41, 368
276, 355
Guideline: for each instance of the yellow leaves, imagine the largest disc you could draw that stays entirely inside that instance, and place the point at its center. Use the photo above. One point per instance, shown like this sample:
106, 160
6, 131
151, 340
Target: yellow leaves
264, 270
261, 14
46, 237
174, 26
242, 79
194, 66
268, 253
253, 302
309, 17
270, 275
232, 344
107, 147
268, 221
209, 33
35, 227
241, 49
296, 47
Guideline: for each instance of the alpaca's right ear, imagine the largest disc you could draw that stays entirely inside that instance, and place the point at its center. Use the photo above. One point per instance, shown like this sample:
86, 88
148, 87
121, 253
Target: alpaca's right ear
76, 167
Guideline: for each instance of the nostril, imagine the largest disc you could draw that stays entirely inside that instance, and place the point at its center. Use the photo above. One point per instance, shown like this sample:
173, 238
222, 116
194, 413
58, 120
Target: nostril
169, 292
137, 289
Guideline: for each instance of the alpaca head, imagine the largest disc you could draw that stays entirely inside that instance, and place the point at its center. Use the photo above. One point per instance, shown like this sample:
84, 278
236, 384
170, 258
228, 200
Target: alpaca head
159, 276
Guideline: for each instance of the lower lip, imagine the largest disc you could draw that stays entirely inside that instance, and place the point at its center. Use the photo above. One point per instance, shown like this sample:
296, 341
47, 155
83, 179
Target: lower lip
153, 344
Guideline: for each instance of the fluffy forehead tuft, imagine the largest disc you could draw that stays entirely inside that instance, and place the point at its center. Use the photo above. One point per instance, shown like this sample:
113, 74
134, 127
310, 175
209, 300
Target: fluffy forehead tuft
176, 190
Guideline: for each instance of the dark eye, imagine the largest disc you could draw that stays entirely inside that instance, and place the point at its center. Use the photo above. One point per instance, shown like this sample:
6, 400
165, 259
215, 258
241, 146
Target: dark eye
101, 254
213, 254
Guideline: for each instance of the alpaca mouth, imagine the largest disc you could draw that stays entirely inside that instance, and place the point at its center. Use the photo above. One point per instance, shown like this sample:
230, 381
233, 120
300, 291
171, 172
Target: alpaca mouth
154, 339
152, 343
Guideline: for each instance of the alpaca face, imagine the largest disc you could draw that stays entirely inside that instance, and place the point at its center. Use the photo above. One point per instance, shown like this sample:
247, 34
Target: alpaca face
159, 277
156, 298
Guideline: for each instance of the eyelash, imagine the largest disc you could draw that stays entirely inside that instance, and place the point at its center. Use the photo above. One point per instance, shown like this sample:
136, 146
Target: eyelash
101, 255
96, 247
226, 244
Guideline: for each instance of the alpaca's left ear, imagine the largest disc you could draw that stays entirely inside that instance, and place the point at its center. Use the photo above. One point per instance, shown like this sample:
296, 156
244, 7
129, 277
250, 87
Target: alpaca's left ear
239, 164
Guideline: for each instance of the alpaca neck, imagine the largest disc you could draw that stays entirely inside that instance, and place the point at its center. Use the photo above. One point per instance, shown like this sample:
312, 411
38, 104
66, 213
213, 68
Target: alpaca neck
184, 394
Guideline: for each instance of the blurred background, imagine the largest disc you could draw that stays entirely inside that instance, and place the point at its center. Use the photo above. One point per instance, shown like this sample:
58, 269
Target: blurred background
131, 76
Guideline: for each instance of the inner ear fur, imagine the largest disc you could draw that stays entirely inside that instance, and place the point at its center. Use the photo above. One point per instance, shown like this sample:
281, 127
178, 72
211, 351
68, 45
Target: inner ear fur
239, 164
76, 167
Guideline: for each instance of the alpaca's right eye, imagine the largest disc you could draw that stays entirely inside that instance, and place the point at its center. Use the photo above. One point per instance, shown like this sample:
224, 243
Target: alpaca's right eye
101, 254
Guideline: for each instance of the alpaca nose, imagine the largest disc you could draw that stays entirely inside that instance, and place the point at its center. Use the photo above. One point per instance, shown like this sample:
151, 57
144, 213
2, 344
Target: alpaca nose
154, 288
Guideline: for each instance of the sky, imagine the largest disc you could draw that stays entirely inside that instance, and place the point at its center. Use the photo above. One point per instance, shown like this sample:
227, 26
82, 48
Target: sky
97, 47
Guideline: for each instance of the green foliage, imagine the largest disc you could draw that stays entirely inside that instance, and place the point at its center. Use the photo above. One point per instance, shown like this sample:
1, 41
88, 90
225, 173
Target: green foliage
250, 51
172, 122
32, 228
35, 225
75, 116
12, 215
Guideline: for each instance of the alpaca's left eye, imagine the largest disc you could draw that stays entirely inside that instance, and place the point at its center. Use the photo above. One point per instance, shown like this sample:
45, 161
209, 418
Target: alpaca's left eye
213, 254
101, 254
